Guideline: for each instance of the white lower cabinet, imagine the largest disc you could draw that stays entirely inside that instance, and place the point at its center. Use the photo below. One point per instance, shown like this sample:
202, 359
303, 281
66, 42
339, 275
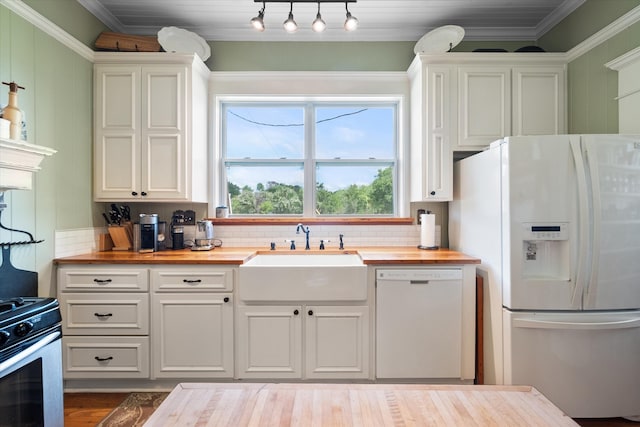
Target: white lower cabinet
147, 322
192, 335
274, 341
269, 342
192, 322
105, 321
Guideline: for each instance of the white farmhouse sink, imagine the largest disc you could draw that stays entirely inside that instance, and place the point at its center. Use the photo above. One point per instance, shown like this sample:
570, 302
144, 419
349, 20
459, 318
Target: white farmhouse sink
303, 277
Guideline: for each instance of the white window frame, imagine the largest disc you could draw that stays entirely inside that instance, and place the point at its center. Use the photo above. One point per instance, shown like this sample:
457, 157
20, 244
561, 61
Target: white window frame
356, 87
310, 161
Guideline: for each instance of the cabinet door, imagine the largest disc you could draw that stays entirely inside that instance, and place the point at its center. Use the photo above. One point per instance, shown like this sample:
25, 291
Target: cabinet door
192, 335
539, 100
337, 342
269, 342
484, 113
164, 133
117, 132
439, 158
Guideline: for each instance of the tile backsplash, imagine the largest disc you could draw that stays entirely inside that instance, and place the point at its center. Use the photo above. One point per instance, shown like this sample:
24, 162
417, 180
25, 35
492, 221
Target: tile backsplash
354, 235
79, 241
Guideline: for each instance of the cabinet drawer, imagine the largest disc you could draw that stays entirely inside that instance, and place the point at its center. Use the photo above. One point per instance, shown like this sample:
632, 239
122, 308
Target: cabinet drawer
105, 314
105, 357
195, 279
90, 278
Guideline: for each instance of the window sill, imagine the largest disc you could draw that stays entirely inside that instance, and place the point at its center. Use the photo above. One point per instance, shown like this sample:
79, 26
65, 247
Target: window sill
310, 221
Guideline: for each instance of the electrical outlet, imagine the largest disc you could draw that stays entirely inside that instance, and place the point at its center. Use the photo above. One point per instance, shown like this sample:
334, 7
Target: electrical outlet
420, 212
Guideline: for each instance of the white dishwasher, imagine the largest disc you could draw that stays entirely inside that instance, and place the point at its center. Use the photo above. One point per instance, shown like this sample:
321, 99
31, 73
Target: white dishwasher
419, 323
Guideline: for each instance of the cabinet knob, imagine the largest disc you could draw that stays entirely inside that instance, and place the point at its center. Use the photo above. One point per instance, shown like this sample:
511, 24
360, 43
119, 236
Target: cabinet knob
296, 312
134, 193
433, 193
144, 193
226, 299
310, 312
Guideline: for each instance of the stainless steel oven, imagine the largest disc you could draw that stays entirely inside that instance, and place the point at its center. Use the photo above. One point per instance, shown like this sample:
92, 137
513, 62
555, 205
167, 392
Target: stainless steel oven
31, 390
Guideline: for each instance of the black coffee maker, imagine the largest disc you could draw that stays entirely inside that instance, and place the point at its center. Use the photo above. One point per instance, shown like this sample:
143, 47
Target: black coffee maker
177, 231
148, 232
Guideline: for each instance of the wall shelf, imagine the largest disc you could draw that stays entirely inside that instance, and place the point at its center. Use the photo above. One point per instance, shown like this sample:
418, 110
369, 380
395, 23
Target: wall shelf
18, 161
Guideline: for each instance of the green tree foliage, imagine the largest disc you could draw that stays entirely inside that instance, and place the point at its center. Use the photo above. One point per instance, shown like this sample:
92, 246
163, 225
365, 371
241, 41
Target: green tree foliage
282, 199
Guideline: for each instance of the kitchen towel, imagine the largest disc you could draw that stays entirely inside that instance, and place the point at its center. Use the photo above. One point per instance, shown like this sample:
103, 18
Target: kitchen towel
428, 231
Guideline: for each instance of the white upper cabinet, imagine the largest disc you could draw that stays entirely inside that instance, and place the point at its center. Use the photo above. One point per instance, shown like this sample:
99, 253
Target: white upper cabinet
150, 127
521, 94
432, 120
484, 105
465, 101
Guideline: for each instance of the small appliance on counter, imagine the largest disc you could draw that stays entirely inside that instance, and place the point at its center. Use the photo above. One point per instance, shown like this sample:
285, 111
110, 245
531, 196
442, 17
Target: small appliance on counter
204, 236
148, 232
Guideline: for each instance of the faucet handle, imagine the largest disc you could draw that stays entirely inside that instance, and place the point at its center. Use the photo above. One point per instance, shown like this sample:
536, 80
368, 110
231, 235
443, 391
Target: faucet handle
322, 242
293, 244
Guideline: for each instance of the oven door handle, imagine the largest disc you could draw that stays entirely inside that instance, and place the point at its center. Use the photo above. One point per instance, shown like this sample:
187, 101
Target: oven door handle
48, 339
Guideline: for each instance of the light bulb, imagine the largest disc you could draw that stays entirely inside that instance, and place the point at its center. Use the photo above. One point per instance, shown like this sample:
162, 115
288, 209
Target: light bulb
290, 25
257, 22
318, 24
351, 23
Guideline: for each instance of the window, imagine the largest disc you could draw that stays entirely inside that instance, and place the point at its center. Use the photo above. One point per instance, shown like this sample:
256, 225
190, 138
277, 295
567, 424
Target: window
310, 158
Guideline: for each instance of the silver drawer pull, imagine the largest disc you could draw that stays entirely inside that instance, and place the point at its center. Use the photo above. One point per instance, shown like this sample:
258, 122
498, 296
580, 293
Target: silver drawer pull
191, 280
103, 315
103, 359
102, 280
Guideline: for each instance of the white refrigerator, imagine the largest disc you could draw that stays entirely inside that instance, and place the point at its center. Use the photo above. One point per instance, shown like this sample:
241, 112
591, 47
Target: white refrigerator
556, 222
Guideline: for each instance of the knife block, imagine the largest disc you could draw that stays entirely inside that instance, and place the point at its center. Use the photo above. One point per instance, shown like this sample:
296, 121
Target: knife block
121, 236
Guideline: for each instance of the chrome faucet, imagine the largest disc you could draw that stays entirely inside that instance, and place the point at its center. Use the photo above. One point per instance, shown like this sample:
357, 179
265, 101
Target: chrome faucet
306, 232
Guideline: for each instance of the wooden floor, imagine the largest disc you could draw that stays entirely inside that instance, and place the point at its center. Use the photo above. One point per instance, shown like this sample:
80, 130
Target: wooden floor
88, 409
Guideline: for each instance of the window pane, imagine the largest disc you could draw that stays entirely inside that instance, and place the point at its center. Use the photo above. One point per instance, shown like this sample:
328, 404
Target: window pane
354, 190
355, 132
265, 190
264, 132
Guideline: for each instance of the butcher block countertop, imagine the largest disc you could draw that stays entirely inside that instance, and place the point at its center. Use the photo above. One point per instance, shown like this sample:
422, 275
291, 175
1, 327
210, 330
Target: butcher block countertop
370, 255
325, 405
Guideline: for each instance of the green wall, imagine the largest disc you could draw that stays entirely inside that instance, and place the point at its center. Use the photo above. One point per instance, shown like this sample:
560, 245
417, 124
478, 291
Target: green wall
57, 102
72, 16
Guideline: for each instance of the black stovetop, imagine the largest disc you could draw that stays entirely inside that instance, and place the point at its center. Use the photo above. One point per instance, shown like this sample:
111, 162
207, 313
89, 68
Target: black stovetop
24, 319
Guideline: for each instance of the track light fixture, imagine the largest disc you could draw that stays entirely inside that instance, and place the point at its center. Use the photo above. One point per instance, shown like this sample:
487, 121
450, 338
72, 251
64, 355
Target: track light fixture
318, 25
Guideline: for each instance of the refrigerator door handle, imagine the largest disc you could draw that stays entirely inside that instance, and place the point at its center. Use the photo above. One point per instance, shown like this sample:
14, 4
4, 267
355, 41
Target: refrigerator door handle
550, 324
596, 209
583, 223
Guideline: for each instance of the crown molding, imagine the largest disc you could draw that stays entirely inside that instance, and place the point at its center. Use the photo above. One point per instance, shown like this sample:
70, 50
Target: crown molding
605, 34
564, 10
42, 23
624, 60
99, 11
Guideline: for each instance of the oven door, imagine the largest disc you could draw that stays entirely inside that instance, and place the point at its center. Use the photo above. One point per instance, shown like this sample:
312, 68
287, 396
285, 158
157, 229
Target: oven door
31, 390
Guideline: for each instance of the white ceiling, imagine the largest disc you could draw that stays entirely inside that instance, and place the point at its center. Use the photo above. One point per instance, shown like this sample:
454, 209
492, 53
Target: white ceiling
380, 20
